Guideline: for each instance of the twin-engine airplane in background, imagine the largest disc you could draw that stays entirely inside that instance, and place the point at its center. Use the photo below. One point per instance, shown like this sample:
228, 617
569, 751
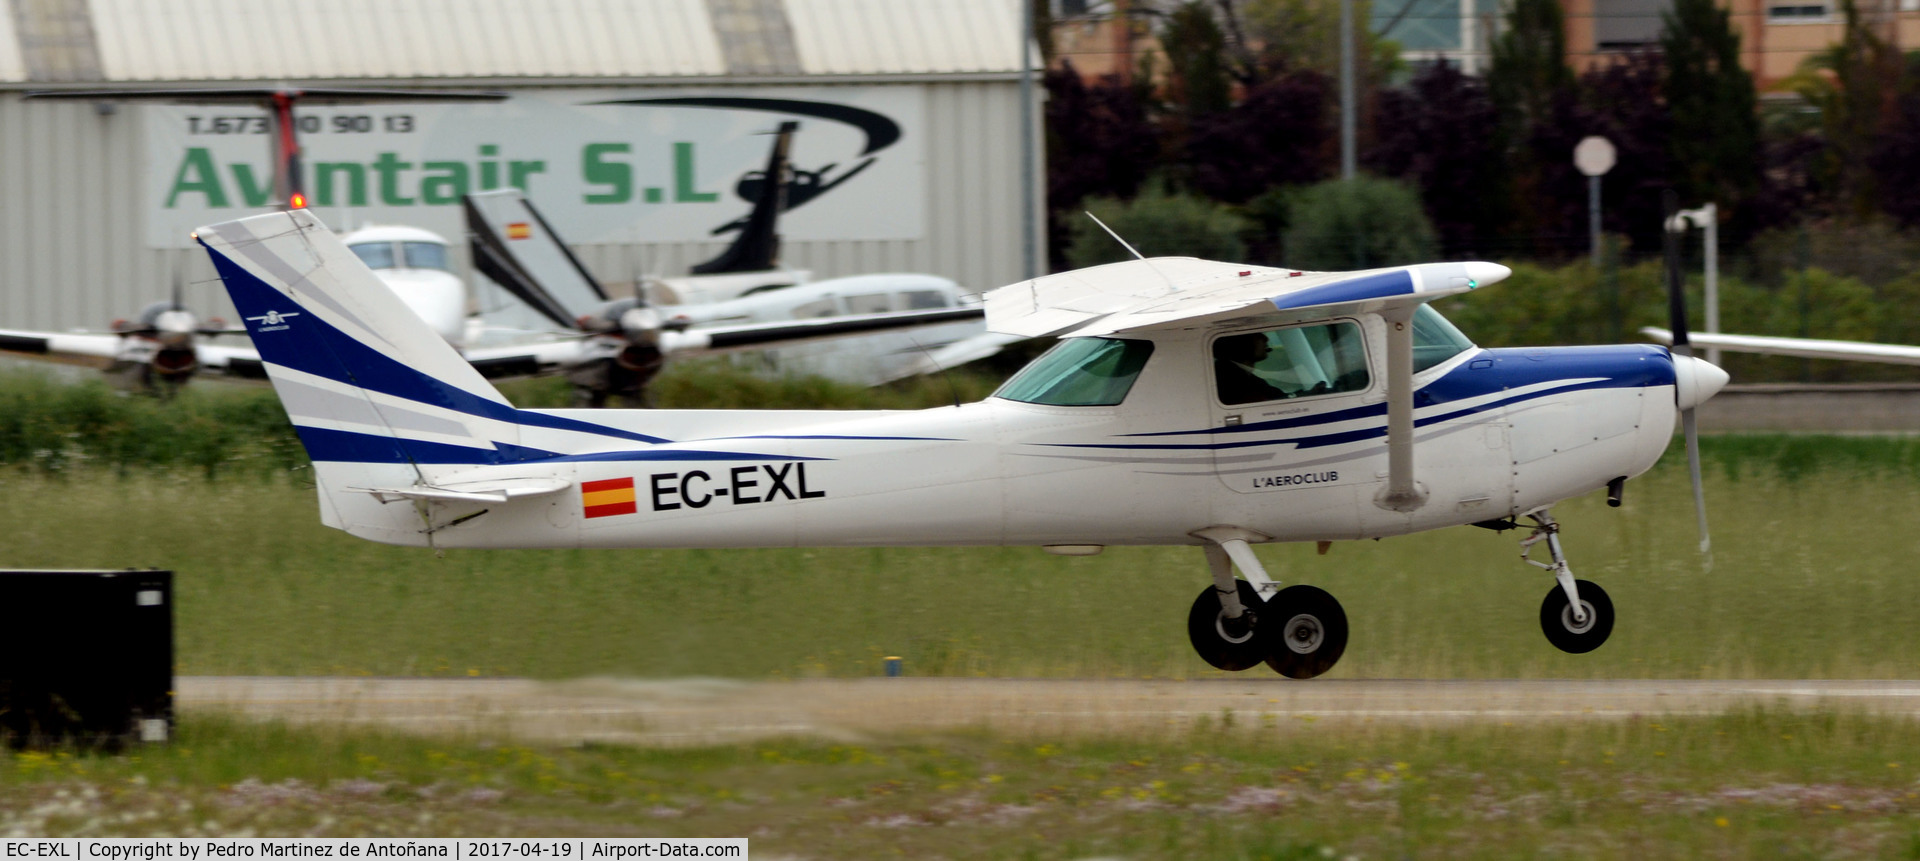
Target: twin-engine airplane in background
1188, 402
624, 342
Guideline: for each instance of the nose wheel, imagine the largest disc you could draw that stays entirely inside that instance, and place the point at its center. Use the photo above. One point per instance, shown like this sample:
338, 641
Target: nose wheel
1577, 633
1577, 616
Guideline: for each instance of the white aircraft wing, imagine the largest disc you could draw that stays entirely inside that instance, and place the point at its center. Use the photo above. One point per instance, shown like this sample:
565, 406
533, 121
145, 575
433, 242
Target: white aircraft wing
546, 356
70, 348
103, 351
1810, 348
1182, 291
954, 355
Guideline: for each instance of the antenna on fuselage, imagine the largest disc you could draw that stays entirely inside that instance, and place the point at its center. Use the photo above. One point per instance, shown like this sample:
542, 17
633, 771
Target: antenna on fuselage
1116, 237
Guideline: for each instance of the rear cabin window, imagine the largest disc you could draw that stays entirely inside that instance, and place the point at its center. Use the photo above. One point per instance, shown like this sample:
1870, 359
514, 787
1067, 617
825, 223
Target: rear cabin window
1080, 372
872, 303
816, 308
1301, 361
915, 300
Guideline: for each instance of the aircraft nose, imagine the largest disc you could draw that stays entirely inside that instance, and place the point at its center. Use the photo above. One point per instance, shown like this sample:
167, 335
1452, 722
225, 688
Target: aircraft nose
1695, 380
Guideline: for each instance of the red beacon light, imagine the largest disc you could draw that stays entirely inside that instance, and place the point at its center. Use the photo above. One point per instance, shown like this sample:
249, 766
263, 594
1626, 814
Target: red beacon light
299, 201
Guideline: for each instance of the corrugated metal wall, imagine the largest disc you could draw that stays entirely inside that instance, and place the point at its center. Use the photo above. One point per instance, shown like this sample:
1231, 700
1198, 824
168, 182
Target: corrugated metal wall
73, 255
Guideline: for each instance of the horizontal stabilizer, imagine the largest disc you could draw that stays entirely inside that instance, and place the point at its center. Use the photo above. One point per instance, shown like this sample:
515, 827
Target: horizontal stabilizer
490, 492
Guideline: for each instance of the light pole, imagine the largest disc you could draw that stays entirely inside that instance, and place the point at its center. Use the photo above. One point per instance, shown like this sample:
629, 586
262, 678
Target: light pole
1707, 218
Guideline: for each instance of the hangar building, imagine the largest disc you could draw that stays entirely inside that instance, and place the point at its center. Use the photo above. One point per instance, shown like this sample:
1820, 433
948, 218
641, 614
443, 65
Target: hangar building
635, 125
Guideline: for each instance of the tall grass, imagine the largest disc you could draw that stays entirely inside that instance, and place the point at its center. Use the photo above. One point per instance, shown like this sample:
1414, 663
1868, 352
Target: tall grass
53, 426
1811, 576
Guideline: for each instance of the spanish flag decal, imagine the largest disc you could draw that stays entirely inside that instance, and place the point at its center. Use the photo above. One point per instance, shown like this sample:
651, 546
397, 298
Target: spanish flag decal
519, 230
607, 498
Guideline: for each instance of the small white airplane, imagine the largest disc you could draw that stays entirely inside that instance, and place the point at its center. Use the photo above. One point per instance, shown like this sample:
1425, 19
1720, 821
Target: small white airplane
1189, 402
619, 349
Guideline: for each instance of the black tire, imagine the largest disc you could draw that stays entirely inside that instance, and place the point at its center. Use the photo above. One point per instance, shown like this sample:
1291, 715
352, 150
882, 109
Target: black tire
1556, 619
1212, 636
1305, 631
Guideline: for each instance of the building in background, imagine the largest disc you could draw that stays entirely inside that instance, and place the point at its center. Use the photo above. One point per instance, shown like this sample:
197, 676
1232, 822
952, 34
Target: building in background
636, 126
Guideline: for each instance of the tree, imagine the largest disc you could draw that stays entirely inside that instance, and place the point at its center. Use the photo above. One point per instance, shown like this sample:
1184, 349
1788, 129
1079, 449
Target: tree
1529, 65
1436, 133
1624, 104
1157, 223
1279, 135
1361, 223
1716, 131
1100, 141
1195, 49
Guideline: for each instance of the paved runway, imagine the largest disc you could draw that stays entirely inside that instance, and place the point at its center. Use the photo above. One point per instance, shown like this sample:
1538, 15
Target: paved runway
713, 711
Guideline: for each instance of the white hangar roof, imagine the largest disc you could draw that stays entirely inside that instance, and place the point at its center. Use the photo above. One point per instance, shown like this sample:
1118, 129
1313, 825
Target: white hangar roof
501, 42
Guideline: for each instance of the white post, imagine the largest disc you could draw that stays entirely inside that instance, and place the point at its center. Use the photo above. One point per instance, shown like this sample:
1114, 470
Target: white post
1347, 165
1710, 214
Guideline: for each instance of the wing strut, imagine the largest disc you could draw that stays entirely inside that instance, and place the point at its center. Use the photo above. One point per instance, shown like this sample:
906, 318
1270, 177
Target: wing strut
1402, 492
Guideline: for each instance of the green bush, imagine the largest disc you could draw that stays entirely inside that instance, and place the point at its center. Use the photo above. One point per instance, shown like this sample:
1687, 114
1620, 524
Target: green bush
1158, 224
1357, 224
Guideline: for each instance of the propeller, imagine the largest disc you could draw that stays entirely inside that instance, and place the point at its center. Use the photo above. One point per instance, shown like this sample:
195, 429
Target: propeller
1686, 368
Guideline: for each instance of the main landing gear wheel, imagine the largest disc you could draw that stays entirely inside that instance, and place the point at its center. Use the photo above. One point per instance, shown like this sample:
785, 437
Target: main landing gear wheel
1305, 632
1227, 644
1576, 636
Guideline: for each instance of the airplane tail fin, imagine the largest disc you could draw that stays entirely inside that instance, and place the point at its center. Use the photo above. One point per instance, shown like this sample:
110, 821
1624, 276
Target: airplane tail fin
757, 248
516, 247
379, 400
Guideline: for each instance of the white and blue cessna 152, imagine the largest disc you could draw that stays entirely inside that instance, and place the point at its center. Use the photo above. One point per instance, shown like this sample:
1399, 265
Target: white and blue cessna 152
1188, 402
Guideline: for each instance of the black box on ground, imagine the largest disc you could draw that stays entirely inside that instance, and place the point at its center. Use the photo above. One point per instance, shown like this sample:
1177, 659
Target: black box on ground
86, 657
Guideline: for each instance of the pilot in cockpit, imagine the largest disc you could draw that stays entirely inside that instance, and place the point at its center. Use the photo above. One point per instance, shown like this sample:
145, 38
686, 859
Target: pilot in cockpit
1235, 358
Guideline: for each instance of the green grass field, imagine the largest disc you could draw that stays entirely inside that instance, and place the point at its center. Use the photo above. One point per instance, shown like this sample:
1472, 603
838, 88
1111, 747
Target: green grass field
1812, 576
1752, 784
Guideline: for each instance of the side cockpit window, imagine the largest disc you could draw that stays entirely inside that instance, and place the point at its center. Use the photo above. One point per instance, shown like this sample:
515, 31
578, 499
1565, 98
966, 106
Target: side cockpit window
377, 255
1435, 340
1300, 361
426, 255
1080, 372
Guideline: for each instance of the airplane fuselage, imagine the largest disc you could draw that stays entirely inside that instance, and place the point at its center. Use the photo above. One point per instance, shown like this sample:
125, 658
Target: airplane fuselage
1500, 433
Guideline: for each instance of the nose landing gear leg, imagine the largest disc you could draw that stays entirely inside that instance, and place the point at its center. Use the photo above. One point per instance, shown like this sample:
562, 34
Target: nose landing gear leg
1577, 615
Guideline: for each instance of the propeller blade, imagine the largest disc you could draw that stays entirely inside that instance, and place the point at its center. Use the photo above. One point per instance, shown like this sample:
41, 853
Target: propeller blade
1676, 295
1693, 468
1682, 348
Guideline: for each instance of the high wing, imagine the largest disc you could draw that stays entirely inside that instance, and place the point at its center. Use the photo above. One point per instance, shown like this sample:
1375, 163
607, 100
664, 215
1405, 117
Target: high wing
1810, 348
1164, 292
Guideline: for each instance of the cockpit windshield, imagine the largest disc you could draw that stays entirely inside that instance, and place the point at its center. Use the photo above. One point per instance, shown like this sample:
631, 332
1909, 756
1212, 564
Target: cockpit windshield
377, 255
425, 255
412, 255
1435, 340
1080, 372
